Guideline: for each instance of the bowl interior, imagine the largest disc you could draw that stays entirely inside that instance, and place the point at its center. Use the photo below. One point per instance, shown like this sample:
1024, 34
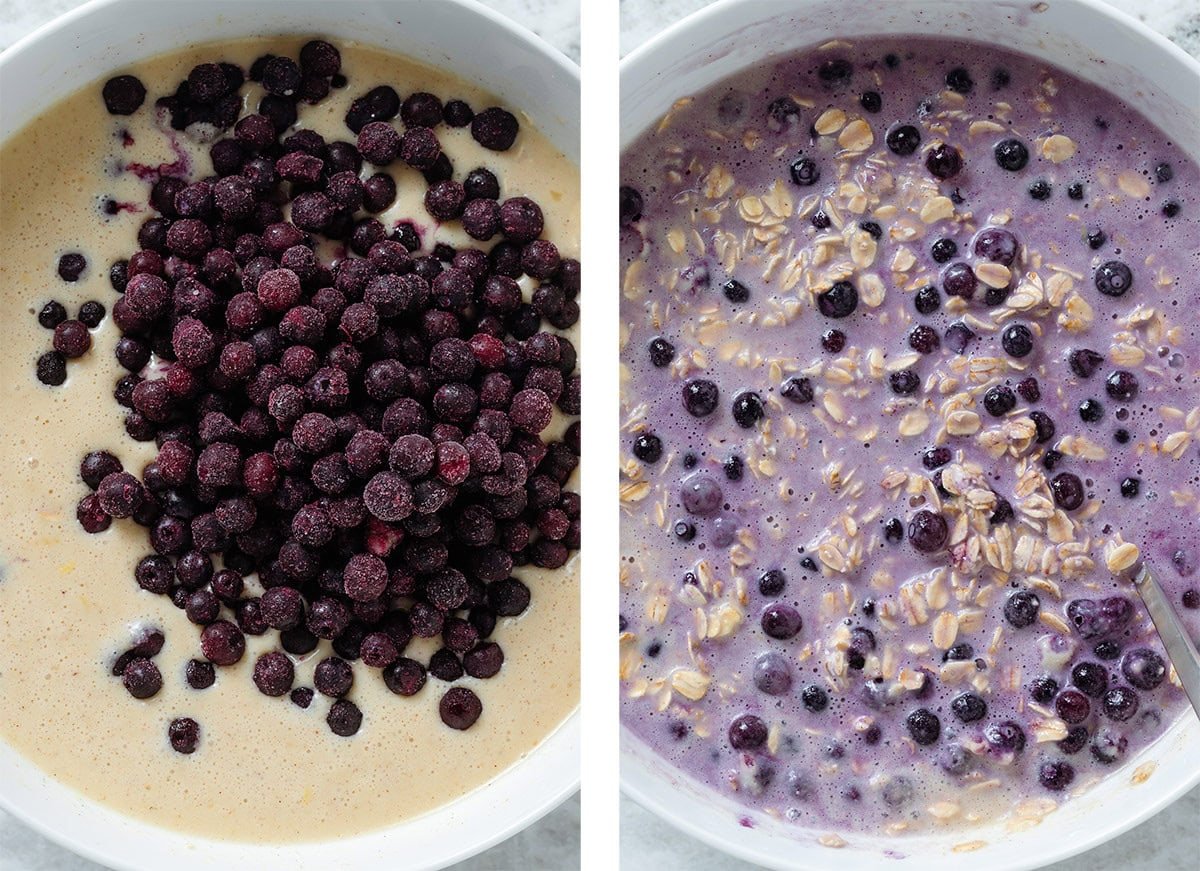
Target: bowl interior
1099, 45
478, 45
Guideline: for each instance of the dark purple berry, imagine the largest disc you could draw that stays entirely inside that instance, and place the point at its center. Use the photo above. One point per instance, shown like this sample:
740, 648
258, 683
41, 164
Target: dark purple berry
924, 726
839, 301
927, 531
1011, 155
747, 732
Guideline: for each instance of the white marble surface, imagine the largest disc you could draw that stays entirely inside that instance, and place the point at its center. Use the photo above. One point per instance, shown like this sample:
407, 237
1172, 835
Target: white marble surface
552, 843
1168, 842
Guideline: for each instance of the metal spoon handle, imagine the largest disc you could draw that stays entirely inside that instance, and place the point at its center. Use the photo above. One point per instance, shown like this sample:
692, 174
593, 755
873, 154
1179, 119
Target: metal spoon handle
1174, 636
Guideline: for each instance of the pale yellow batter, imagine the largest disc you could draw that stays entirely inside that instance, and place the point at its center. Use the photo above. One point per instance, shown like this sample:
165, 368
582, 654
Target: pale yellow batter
266, 770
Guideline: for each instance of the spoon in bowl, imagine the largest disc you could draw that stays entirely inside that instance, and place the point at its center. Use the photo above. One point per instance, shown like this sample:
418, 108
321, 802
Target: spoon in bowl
1180, 649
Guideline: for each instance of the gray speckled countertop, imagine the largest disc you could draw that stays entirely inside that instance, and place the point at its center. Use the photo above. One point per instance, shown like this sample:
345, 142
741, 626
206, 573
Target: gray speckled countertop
1169, 841
553, 842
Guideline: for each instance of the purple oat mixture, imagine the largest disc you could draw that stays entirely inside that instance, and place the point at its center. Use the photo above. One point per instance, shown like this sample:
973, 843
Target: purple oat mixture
911, 379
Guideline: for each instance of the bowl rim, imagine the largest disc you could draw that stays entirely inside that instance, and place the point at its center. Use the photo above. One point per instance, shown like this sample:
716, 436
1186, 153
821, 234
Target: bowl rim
567, 732
636, 63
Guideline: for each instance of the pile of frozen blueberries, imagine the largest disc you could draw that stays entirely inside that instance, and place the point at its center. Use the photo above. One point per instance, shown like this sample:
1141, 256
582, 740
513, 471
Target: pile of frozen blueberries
363, 434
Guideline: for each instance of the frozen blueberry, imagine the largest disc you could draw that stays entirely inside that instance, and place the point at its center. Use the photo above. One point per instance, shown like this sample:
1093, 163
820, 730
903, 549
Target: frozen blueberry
772, 674
772, 582
495, 129
1144, 668
960, 81
927, 300
905, 382
1113, 278
1093, 619
222, 643
903, 139
1076, 740
968, 707
631, 205
1055, 774
457, 113
958, 336
958, 279
1040, 190
748, 409
72, 339
1120, 703
647, 448
1043, 689
814, 698
405, 677
999, 400
1011, 154
701, 495
797, 389
1029, 389
71, 266
781, 621
1084, 362
747, 732
1017, 340
871, 101
923, 339
460, 708
1121, 385
1090, 411
943, 161
120, 494
141, 678
344, 718
804, 171
273, 673
893, 530
1067, 490
924, 726
833, 341
1108, 745
943, 250
1005, 736
123, 95
927, 531
735, 291
700, 397
1091, 678
1072, 706
839, 301
200, 675
184, 735
835, 71
1021, 608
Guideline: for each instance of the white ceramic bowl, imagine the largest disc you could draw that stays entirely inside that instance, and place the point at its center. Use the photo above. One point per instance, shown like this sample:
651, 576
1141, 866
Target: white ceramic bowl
480, 46
1093, 41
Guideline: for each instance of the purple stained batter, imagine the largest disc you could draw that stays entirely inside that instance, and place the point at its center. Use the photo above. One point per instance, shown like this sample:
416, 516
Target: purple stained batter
830, 704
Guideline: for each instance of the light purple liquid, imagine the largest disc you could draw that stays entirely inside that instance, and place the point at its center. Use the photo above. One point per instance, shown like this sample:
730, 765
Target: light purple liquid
855, 765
